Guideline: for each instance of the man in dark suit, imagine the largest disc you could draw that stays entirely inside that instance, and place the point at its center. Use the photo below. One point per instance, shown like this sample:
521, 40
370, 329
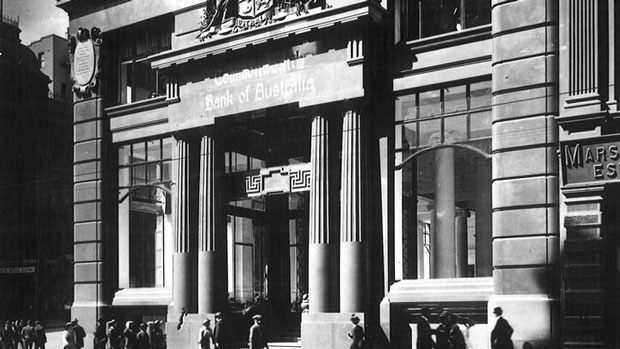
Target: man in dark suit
28, 335
39, 336
424, 340
257, 335
80, 334
220, 332
500, 336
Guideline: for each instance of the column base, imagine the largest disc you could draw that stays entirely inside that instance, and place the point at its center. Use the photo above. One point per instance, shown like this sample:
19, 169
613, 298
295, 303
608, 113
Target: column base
326, 330
534, 318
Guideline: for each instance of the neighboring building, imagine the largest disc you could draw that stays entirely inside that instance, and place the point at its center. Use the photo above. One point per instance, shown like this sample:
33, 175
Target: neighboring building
35, 187
381, 157
53, 56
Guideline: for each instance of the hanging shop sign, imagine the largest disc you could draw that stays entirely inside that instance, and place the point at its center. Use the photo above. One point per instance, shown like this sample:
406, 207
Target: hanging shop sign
593, 160
84, 52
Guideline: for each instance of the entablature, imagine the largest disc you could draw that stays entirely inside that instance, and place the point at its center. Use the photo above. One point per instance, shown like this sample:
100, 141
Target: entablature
292, 25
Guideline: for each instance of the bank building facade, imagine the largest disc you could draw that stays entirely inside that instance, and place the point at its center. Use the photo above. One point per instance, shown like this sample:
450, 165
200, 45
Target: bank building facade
379, 157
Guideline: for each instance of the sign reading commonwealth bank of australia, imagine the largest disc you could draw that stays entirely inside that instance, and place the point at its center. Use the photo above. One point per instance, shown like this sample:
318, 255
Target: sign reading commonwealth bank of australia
593, 160
305, 81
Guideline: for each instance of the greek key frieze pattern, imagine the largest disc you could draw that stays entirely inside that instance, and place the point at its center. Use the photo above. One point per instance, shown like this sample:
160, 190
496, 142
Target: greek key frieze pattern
298, 178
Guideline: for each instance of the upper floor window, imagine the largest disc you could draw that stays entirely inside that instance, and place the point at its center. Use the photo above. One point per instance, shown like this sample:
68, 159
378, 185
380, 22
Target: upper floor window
131, 46
41, 57
424, 18
450, 114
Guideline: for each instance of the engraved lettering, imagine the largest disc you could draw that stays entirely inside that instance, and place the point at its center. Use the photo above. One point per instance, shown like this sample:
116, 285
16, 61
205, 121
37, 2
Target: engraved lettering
611, 170
573, 159
613, 153
601, 154
598, 171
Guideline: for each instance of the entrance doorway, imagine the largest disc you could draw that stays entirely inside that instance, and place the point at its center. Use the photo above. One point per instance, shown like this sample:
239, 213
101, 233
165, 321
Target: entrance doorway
268, 258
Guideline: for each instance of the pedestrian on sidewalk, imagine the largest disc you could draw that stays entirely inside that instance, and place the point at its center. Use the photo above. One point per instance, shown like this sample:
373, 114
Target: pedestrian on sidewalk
28, 335
424, 340
502, 332
79, 334
99, 336
68, 337
357, 333
142, 338
6, 332
40, 338
221, 337
205, 337
257, 339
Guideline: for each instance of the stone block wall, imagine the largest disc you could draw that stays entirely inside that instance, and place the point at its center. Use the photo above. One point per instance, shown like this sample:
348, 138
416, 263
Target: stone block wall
525, 169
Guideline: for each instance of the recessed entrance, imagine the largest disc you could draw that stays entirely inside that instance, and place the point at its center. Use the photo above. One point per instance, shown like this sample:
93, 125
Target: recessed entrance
267, 220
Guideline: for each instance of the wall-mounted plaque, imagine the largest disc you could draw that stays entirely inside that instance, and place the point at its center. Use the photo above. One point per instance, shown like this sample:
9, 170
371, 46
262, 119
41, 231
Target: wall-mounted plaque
84, 63
84, 53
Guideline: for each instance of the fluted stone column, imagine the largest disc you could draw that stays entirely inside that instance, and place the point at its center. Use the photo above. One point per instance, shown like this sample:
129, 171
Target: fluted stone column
319, 246
352, 214
181, 290
209, 210
444, 260
461, 242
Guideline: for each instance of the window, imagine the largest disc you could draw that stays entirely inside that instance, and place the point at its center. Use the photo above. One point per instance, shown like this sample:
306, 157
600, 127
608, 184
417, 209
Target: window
237, 162
140, 82
135, 78
144, 173
41, 58
424, 18
427, 214
451, 114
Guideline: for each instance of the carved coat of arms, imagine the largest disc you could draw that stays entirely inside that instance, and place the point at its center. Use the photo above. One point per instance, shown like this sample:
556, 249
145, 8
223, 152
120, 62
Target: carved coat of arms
228, 16
254, 8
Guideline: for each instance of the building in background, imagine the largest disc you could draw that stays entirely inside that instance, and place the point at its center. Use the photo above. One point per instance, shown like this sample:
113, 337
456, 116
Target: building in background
53, 56
380, 156
35, 187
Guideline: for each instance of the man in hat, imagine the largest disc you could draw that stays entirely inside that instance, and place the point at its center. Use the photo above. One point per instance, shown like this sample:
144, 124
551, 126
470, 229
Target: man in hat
68, 338
79, 334
206, 335
130, 335
220, 332
357, 333
99, 336
500, 336
257, 336
424, 340
114, 335
443, 331
142, 338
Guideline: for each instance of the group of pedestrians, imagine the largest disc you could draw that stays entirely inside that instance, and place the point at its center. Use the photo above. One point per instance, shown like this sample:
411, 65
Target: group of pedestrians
20, 334
73, 335
132, 336
448, 335
218, 336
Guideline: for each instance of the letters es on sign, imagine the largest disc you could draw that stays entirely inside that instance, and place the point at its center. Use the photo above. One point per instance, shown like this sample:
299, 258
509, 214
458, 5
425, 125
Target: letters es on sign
595, 160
